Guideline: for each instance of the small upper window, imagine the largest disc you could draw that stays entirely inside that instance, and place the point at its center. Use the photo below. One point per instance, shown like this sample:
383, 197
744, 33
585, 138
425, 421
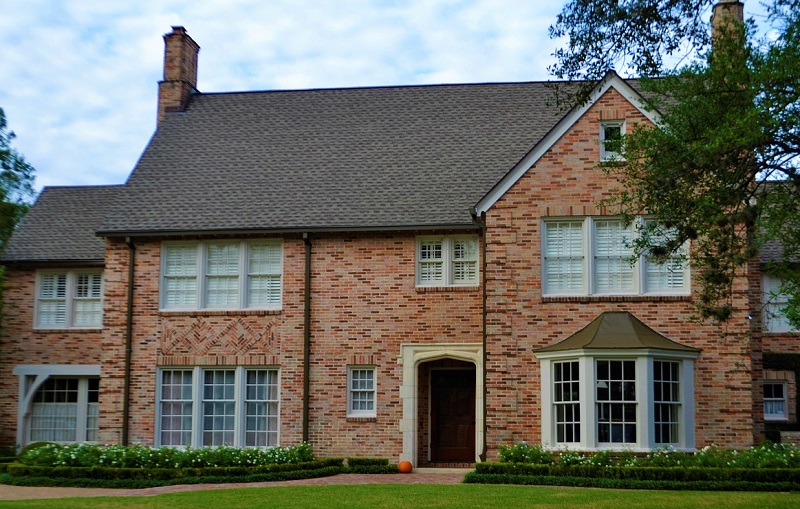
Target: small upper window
447, 261
69, 299
611, 140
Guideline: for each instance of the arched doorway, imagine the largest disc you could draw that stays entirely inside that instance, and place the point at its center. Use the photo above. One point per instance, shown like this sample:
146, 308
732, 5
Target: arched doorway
442, 404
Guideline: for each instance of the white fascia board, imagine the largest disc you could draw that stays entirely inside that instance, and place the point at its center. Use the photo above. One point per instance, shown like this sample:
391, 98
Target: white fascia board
612, 80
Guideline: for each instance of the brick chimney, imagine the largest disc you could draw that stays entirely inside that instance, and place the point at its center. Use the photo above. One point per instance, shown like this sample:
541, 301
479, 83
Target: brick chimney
727, 15
180, 72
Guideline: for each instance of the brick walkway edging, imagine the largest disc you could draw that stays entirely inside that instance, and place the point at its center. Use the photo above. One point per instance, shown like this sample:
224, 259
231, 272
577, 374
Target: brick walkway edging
420, 476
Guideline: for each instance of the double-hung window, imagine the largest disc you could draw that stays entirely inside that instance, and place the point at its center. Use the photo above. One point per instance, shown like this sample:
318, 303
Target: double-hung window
233, 406
447, 261
594, 256
775, 401
361, 391
69, 299
774, 305
566, 401
616, 401
666, 401
222, 275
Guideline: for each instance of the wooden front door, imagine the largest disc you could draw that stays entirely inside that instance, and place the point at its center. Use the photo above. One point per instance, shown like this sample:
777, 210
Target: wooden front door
453, 415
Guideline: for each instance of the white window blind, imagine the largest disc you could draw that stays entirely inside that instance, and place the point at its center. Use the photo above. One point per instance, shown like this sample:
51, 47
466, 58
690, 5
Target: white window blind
613, 264
222, 276
264, 275
69, 299
180, 276
431, 262
563, 257
230, 275
465, 260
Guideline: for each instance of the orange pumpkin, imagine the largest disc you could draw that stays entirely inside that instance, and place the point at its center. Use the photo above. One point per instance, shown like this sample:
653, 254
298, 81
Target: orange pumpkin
405, 467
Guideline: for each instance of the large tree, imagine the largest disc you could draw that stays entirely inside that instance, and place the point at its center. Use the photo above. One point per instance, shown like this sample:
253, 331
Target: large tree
16, 183
722, 167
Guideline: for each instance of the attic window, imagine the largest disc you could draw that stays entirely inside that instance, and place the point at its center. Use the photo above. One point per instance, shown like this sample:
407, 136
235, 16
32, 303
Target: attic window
611, 140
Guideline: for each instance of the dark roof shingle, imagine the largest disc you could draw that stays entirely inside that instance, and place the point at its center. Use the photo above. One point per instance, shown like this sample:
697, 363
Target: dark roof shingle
359, 158
61, 225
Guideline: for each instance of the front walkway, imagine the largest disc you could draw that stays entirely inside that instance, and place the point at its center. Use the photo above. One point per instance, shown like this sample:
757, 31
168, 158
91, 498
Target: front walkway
419, 476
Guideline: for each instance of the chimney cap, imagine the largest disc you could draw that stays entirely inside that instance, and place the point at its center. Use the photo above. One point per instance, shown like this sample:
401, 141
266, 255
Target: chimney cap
178, 29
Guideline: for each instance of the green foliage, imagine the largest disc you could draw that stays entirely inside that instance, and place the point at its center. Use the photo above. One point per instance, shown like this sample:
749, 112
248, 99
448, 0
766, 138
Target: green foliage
138, 456
524, 453
722, 167
353, 462
766, 467
16, 182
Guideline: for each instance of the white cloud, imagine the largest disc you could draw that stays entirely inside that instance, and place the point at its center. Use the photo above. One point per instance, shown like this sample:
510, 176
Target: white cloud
80, 76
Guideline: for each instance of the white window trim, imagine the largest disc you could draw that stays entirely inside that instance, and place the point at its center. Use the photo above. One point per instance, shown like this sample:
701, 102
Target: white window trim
607, 155
201, 296
69, 299
447, 260
785, 415
645, 421
362, 413
197, 402
589, 287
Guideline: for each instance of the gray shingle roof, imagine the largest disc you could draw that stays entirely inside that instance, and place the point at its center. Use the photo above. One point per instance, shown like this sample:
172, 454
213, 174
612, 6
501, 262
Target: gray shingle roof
61, 226
359, 158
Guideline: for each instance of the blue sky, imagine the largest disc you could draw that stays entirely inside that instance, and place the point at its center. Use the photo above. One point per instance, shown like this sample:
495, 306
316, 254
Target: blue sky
78, 78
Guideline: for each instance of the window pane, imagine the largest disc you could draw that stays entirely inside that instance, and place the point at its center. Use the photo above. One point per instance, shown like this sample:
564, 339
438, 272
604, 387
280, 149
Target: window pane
180, 276
431, 263
219, 407
616, 401
54, 411
666, 401
176, 407
465, 260
613, 255
264, 275
261, 419
566, 402
563, 260
775, 402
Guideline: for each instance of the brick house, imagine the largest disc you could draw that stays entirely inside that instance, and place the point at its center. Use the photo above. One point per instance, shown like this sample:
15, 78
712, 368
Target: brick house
420, 273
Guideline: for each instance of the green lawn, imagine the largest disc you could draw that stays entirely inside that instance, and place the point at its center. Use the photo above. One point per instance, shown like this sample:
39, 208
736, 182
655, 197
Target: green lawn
425, 496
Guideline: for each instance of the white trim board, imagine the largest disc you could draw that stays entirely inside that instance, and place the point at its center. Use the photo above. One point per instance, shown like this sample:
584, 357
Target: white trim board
611, 80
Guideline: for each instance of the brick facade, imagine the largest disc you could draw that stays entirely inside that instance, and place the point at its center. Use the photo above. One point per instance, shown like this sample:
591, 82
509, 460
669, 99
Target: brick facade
366, 310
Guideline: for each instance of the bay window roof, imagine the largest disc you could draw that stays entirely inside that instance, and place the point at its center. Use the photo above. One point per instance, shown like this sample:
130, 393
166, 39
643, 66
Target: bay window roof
617, 330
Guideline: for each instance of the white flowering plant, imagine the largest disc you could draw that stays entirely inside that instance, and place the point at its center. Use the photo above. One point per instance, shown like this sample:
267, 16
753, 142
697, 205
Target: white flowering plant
140, 456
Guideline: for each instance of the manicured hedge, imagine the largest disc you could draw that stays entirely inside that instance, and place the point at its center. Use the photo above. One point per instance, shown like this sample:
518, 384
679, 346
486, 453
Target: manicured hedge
83, 482
639, 477
370, 466
140, 477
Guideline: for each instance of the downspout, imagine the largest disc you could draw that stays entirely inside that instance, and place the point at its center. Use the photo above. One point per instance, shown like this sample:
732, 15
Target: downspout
126, 384
482, 223
307, 337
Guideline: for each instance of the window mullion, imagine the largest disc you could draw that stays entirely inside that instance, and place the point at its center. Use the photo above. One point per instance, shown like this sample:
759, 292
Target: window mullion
69, 297
447, 261
80, 414
238, 407
244, 274
202, 258
588, 232
197, 407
